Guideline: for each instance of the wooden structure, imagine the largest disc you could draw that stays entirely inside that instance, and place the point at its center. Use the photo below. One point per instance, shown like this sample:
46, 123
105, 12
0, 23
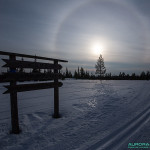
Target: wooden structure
15, 73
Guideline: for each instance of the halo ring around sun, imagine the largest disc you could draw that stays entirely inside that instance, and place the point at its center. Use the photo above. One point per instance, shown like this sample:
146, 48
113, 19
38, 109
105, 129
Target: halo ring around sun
102, 49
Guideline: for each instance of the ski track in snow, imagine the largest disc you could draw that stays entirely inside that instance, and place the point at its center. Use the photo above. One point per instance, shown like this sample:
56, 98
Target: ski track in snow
94, 116
122, 133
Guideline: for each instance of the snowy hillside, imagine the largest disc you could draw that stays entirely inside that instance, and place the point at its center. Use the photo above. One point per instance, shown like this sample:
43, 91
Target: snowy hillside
95, 115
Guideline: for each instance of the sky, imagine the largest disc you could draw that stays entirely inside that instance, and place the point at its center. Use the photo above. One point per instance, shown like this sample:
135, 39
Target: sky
79, 31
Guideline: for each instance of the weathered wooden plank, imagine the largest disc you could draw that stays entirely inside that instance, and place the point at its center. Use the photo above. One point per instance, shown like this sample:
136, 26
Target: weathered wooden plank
30, 87
7, 77
31, 56
28, 64
14, 105
56, 95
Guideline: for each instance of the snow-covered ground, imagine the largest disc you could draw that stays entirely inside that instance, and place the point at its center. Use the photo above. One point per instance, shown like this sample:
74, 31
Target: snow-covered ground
95, 115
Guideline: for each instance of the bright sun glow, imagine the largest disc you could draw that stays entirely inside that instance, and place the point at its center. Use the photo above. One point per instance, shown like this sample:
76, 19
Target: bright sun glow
97, 49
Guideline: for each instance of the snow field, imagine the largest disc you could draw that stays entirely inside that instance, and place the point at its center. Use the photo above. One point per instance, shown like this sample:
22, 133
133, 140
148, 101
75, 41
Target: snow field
94, 116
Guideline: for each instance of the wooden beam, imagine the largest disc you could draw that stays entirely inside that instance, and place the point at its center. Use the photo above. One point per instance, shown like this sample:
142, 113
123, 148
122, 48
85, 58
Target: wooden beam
30, 87
28, 64
30, 56
7, 77
56, 94
14, 104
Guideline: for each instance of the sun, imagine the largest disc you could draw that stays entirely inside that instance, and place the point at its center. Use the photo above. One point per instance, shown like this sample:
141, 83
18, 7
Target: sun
96, 49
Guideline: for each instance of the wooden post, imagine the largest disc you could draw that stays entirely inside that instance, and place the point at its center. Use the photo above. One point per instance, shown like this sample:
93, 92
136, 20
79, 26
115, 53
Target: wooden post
13, 101
56, 93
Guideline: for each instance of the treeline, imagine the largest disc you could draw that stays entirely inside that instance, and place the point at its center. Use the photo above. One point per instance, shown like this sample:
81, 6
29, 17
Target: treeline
81, 73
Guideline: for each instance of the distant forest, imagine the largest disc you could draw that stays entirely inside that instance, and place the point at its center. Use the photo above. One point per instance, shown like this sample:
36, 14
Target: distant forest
81, 73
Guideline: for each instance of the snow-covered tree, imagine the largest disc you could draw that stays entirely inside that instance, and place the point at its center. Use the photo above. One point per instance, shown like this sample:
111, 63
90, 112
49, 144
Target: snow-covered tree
100, 67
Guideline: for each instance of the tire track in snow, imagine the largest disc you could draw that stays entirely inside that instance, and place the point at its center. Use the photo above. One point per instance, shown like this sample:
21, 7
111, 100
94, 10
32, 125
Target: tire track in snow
116, 138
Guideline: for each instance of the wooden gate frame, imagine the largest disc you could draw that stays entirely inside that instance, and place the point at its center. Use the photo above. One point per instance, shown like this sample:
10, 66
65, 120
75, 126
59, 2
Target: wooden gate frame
13, 88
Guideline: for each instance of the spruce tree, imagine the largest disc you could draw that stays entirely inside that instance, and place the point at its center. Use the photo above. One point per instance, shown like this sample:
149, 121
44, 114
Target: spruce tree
82, 72
78, 72
100, 67
75, 74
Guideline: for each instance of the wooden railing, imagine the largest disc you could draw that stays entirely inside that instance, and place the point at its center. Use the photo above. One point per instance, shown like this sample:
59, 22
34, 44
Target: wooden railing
15, 73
